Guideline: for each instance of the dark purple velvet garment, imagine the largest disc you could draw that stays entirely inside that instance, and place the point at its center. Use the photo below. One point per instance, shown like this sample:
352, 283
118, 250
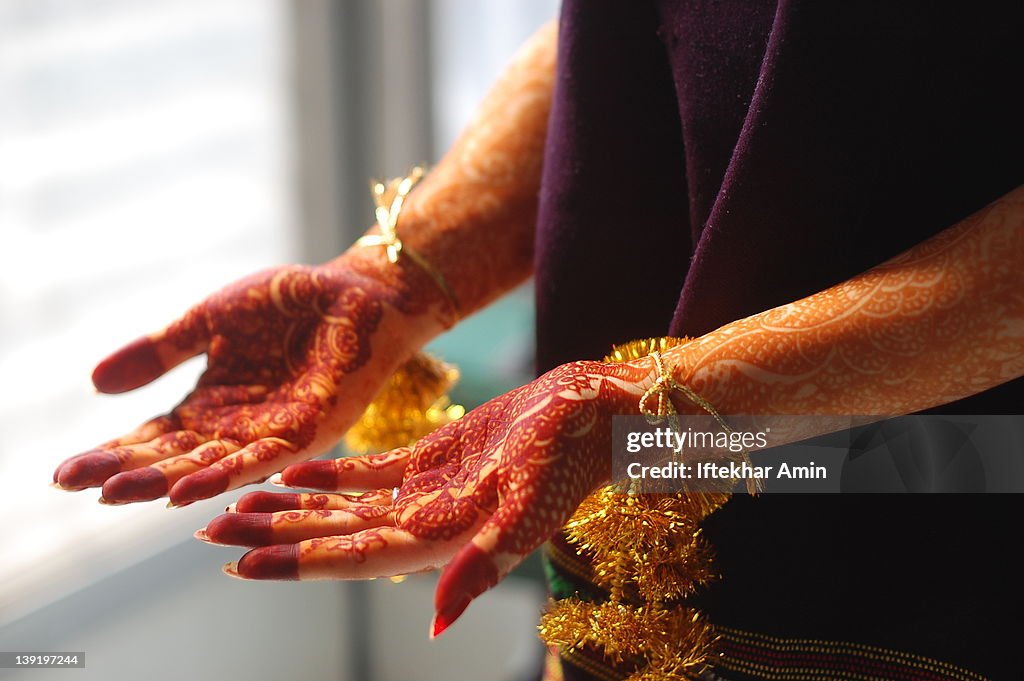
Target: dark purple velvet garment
709, 160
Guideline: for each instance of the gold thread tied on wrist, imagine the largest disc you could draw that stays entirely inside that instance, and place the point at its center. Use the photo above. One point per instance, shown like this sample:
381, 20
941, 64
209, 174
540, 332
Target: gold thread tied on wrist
662, 389
415, 401
389, 198
648, 551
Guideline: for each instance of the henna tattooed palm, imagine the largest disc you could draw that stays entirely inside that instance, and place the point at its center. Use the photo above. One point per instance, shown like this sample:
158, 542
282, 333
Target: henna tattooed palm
289, 369
477, 495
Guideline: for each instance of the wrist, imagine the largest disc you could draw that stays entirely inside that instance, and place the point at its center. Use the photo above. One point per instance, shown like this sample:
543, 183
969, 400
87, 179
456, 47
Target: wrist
673, 374
409, 291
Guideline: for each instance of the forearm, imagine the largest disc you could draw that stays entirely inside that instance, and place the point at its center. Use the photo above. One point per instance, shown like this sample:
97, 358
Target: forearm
472, 217
939, 322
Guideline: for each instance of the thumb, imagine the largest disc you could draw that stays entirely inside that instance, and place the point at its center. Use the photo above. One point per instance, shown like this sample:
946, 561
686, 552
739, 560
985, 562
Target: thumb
524, 521
470, 573
149, 357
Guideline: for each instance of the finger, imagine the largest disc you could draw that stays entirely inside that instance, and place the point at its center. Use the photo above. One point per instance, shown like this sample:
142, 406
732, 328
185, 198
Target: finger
368, 554
94, 467
149, 357
528, 515
152, 482
290, 527
253, 463
269, 502
144, 433
351, 473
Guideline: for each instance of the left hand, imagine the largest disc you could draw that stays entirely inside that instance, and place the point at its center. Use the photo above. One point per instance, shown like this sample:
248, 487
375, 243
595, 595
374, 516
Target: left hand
478, 495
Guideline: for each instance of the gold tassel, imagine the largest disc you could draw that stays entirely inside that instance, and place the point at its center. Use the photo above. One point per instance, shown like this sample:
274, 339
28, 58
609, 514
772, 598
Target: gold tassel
650, 544
664, 644
642, 347
412, 404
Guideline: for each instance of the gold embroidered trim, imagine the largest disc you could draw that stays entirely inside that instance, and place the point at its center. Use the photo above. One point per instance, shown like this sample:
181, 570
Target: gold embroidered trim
591, 666
805, 671
571, 564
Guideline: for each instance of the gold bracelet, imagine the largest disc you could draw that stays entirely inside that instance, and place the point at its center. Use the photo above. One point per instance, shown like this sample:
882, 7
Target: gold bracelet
389, 198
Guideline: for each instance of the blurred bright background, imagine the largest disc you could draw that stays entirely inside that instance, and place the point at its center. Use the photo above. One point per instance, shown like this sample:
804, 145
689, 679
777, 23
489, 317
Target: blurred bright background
152, 151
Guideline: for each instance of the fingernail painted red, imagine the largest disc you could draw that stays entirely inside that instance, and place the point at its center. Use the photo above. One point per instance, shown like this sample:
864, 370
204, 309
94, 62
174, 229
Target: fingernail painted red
471, 572
141, 484
90, 470
241, 529
266, 502
65, 462
271, 562
132, 366
315, 474
446, 616
203, 484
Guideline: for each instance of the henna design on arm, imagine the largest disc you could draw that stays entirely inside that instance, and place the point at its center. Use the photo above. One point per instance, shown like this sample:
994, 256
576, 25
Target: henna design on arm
937, 323
472, 217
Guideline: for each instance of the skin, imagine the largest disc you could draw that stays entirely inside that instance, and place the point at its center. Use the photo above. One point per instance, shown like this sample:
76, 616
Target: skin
289, 369
939, 322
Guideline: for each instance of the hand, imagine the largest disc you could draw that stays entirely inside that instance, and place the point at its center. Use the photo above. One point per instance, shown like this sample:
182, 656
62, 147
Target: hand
478, 495
294, 356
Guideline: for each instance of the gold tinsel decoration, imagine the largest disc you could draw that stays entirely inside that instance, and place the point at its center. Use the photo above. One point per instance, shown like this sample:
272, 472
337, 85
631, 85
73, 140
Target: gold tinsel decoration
646, 548
641, 348
654, 539
412, 404
661, 643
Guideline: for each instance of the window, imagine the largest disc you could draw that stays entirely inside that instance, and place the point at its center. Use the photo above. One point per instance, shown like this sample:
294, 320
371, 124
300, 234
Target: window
140, 141
143, 140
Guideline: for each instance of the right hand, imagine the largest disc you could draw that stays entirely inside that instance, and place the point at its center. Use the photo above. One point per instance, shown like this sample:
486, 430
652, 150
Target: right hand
294, 356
